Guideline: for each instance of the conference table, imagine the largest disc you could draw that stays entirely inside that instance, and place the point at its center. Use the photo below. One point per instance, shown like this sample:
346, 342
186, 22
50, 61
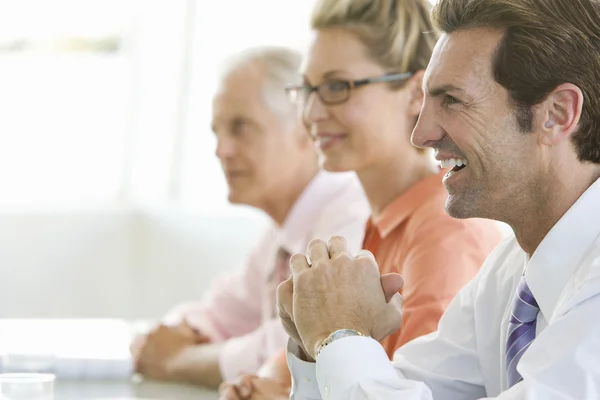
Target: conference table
90, 358
114, 390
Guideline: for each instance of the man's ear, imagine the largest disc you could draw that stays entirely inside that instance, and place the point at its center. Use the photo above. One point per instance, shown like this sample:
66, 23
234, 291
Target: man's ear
560, 114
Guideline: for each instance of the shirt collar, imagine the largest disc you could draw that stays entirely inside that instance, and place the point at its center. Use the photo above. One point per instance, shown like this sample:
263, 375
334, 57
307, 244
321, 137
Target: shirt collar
561, 252
323, 189
404, 205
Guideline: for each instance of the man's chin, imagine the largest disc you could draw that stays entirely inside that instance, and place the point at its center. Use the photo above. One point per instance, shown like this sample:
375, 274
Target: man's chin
458, 208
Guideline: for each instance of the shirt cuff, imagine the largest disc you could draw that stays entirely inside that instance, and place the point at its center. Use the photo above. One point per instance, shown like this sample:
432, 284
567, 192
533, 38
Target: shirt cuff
344, 363
304, 378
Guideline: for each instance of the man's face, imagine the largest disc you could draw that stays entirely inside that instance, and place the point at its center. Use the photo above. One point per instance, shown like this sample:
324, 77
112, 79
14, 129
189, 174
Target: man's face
467, 116
254, 144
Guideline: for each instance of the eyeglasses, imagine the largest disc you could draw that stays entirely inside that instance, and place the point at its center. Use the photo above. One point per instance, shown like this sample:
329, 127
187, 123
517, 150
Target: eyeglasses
337, 91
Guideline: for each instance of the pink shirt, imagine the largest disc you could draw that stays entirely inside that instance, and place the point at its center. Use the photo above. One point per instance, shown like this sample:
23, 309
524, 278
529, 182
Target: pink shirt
239, 309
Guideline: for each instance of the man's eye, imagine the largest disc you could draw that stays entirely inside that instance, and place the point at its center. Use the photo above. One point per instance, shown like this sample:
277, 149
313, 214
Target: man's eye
449, 100
238, 127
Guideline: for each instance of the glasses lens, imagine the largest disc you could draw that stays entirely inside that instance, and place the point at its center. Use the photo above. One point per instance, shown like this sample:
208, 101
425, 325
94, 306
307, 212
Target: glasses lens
298, 94
334, 91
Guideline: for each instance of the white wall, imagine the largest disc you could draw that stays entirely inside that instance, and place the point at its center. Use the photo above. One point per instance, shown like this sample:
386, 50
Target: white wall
116, 264
125, 264
181, 252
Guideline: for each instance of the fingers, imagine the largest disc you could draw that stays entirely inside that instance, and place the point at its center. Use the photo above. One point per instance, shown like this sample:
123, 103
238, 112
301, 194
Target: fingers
271, 389
396, 301
337, 246
391, 285
285, 292
229, 393
226, 391
317, 251
366, 259
298, 263
187, 327
366, 256
201, 339
239, 390
245, 386
394, 314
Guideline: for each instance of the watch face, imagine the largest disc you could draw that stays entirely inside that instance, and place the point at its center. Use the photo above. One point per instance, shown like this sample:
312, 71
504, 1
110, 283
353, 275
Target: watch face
344, 333
338, 335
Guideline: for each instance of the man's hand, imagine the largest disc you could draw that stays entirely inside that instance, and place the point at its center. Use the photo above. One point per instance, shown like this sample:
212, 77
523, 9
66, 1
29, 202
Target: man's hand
250, 387
156, 353
184, 328
285, 292
338, 291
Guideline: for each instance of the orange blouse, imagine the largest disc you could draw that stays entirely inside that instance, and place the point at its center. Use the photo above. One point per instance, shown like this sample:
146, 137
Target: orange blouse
435, 254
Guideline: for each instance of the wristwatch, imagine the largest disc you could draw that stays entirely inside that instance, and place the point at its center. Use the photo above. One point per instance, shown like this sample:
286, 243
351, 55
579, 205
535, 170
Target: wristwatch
340, 333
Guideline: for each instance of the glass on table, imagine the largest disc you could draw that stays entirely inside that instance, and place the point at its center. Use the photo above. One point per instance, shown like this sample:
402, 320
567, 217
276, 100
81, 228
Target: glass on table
28, 362
26, 386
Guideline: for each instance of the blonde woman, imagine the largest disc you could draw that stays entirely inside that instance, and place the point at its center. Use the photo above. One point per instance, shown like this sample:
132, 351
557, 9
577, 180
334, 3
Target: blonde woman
360, 100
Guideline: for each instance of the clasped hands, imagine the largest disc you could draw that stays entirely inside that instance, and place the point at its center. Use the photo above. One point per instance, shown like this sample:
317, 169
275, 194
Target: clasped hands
156, 352
337, 291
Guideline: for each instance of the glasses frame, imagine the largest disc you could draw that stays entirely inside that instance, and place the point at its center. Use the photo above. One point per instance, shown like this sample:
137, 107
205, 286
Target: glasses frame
293, 90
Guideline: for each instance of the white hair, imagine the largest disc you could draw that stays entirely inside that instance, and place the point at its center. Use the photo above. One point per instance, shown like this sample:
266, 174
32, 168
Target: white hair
282, 66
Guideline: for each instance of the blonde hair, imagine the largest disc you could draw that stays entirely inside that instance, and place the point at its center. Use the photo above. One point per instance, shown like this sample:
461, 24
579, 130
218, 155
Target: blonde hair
398, 34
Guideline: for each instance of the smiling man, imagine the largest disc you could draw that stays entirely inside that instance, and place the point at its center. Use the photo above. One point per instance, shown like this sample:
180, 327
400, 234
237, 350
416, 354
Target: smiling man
270, 163
512, 104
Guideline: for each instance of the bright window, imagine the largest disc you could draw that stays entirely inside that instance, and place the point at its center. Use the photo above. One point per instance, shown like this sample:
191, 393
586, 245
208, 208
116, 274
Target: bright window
66, 99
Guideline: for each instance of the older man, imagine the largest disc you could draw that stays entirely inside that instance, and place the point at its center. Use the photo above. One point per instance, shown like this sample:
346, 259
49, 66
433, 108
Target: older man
512, 91
271, 164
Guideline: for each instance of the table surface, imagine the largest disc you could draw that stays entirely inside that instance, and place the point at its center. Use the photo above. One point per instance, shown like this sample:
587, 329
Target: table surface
121, 390
85, 346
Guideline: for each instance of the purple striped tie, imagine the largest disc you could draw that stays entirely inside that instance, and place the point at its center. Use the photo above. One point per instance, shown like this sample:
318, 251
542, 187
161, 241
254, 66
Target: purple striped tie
521, 329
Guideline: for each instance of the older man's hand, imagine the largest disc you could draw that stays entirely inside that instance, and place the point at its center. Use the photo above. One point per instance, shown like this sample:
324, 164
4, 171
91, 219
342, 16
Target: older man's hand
285, 293
338, 291
157, 352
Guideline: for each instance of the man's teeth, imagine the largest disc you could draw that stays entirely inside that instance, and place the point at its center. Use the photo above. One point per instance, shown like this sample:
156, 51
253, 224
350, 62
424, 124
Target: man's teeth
453, 162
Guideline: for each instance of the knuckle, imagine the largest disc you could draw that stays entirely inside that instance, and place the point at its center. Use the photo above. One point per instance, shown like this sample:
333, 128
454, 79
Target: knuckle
337, 238
365, 254
342, 260
295, 258
397, 301
315, 242
282, 299
224, 386
366, 260
284, 291
320, 264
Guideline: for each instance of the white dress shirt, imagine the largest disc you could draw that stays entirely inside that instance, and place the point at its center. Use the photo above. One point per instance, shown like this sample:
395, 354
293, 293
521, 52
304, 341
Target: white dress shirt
239, 310
465, 358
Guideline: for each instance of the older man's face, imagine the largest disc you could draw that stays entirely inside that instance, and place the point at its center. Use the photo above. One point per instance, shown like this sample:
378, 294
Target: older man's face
467, 116
254, 145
